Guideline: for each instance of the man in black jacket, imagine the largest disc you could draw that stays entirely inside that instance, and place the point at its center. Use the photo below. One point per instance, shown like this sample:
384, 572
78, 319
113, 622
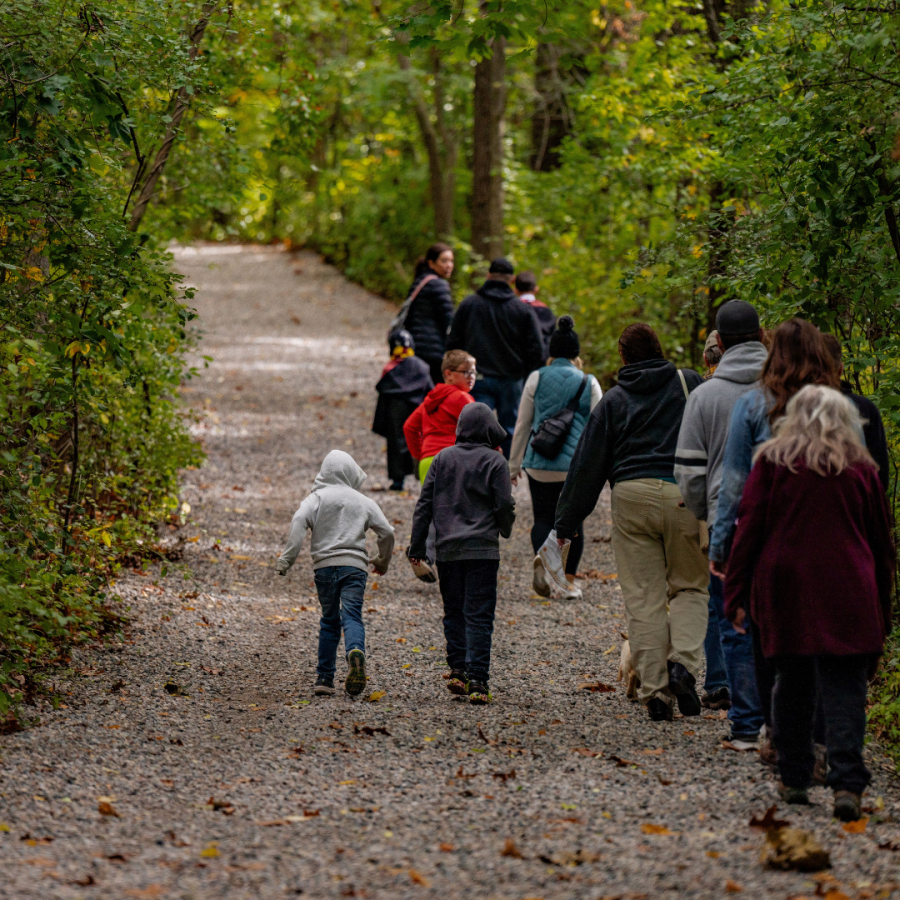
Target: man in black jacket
503, 334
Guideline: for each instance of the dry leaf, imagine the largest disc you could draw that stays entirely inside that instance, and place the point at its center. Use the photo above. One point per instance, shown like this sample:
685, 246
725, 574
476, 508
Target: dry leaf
87, 881
790, 848
375, 696
505, 776
732, 887
570, 859
621, 763
584, 751
713, 854
768, 821
447, 848
416, 878
486, 739
510, 849
647, 828
857, 827
595, 687
656, 752
211, 851
106, 809
368, 730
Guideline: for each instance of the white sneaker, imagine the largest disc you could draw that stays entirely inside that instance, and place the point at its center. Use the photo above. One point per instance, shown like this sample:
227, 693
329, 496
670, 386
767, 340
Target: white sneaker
554, 559
539, 583
573, 593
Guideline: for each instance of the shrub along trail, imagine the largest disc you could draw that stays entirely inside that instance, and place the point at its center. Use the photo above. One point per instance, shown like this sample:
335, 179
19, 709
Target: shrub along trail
191, 761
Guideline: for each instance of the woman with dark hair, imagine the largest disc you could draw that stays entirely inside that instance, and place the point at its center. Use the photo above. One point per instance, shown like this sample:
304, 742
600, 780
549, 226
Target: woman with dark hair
428, 310
630, 441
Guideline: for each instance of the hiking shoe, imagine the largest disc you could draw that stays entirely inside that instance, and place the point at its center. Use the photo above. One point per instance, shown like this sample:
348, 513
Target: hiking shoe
397, 485
539, 583
768, 755
458, 683
425, 571
356, 677
553, 559
681, 684
324, 686
478, 693
717, 699
796, 795
659, 710
573, 593
847, 806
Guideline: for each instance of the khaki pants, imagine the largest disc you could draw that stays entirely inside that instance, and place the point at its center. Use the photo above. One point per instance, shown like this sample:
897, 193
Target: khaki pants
664, 575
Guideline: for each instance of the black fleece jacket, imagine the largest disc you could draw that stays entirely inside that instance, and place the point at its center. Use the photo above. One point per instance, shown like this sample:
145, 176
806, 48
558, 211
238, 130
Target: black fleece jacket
499, 330
873, 432
631, 433
429, 318
467, 493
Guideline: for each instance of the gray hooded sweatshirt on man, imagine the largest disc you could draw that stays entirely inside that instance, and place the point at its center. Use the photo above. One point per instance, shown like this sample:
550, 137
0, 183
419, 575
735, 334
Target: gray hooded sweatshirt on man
339, 517
704, 428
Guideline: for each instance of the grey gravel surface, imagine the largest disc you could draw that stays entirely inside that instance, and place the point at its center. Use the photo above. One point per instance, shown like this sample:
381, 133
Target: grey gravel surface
551, 792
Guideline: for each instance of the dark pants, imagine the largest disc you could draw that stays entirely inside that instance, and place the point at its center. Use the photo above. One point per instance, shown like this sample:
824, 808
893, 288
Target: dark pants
434, 363
502, 395
340, 590
469, 591
544, 497
841, 683
765, 678
396, 411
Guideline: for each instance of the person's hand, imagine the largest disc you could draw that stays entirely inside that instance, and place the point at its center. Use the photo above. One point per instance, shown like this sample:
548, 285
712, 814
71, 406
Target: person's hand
415, 561
739, 620
378, 571
719, 569
515, 479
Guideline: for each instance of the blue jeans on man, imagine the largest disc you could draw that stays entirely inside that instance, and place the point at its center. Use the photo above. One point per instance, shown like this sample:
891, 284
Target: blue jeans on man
745, 715
501, 395
341, 590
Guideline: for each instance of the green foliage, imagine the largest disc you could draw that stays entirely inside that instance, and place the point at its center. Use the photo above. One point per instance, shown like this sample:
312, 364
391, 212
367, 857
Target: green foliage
884, 711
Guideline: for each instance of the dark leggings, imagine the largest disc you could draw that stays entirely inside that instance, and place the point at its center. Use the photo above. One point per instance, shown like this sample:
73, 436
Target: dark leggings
544, 497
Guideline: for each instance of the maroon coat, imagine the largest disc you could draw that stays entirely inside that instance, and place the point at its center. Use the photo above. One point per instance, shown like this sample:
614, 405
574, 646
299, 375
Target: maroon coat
812, 561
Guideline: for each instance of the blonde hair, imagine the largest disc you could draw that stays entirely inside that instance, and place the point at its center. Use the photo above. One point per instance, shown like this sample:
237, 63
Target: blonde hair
453, 359
821, 428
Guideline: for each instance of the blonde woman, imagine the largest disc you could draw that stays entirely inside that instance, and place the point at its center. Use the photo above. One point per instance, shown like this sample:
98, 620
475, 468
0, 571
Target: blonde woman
812, 568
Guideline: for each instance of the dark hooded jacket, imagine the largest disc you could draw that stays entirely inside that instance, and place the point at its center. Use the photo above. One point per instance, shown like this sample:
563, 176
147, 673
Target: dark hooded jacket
404, 386
429, 317
499, 330
632, 433
467, 493
873, 431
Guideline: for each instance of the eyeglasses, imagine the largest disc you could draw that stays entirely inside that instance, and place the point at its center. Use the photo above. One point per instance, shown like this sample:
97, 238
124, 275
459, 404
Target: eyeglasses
469, 373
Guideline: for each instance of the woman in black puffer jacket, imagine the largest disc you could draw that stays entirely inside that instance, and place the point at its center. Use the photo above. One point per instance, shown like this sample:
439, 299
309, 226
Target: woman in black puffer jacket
430, 314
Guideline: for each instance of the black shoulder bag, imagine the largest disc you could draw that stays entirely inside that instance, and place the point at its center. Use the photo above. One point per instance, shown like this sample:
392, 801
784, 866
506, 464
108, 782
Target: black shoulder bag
551, 436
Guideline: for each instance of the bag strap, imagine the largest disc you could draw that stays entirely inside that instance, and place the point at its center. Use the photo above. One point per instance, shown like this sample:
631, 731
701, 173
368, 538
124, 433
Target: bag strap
573, 403
400, 318
684, 386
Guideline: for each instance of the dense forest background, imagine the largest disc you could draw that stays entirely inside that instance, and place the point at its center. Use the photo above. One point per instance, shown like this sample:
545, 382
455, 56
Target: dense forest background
648, 159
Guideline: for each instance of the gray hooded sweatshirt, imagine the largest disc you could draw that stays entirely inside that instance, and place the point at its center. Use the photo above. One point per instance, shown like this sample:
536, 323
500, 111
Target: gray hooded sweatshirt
704, 428
339, 517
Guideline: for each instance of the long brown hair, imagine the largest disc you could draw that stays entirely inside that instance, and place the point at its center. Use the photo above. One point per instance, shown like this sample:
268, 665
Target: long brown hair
798, 357
639, 343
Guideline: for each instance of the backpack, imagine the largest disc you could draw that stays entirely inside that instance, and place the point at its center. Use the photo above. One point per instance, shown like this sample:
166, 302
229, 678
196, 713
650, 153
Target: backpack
551, 436
400, 318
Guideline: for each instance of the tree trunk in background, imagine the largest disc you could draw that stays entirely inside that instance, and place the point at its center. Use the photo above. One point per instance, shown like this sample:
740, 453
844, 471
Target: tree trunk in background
487, 152
551, 121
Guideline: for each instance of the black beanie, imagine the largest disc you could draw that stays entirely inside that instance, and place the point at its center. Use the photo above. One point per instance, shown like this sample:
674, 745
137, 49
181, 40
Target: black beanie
564, 342
737, 317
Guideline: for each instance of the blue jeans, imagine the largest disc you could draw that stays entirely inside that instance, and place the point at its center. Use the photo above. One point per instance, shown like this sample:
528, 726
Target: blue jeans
745, 715
469, 592
502, 395
716, 675
341, 590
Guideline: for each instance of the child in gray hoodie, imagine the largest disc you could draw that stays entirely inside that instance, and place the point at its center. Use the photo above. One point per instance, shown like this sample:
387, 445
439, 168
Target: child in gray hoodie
339, 517
468, 496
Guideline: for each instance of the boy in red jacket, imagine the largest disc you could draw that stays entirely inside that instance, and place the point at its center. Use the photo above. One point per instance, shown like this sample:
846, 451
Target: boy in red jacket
432, 427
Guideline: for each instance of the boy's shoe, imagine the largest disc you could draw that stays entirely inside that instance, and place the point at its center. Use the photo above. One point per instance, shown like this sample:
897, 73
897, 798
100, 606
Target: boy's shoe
356, 677
539, 583
324, 686
458, 683
478, 693
681, 684
717, 699
573, 593
425, 571
795, 795
554, 559
397, 485
847, 806
659, 710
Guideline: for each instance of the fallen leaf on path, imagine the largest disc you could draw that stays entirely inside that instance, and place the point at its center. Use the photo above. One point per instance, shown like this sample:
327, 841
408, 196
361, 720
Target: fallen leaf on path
577, 858
621, 763
768, 821
117, 857
732, 887
505, 776
212, 671
226, 806
893, 846
857, 827
211, 851
147, 893
87, 881
33, 842
106, 809
713, 854
657, 752
416, 878
584, 751
368, 730
375, 696
401, 640
647, 828
790, 848
447, 848
510, 849
595, 687
176, 690
486, 739
663, 781
287, 820
461, 774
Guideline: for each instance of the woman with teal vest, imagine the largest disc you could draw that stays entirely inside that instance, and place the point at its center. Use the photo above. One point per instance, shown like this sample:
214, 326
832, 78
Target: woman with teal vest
546, 392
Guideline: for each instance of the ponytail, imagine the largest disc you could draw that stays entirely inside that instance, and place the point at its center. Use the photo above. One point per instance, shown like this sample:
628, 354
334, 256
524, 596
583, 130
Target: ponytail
432, 254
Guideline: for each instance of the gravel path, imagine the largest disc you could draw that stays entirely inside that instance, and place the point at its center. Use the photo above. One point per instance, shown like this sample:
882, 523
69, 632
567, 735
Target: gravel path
236, 782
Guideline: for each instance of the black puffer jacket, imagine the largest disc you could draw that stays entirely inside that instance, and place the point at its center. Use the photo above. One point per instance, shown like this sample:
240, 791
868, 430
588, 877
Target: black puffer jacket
429, 317
631, 433
499, 330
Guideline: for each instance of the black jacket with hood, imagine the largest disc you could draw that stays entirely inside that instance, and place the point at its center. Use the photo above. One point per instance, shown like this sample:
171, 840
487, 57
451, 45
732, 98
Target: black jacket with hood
467, 493
632, 433
429, 317
499, 330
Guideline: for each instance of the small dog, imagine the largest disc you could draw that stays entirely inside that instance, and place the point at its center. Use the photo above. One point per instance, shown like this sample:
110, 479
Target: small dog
627, 673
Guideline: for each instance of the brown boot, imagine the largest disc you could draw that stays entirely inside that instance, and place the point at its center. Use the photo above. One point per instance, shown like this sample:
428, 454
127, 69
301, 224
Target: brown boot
847, 806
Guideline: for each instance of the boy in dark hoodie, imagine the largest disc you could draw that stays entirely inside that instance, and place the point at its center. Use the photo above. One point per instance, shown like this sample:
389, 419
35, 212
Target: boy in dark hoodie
468, 495
404, 383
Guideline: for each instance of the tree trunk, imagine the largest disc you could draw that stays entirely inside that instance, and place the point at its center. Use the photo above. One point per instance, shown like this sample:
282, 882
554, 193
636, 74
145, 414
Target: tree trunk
182, 102
551, 120
487, 157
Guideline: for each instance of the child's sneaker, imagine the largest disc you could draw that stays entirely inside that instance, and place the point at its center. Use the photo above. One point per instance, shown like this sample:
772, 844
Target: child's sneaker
324, 686
478, 693
356, 677
458, 683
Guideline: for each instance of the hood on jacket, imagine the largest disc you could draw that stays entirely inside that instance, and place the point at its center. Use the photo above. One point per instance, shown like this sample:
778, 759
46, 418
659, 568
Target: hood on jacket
742, 364
493, 289
478, 425
339, 469
437, 396
646, 377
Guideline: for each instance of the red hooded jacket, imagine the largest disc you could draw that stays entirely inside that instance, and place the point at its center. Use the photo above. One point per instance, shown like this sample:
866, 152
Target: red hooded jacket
432, 426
